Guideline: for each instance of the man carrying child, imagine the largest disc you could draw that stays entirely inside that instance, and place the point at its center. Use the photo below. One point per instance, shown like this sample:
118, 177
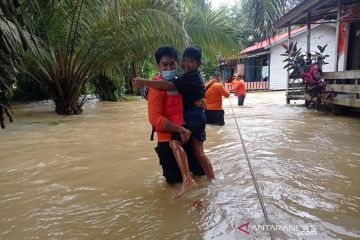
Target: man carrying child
192, 88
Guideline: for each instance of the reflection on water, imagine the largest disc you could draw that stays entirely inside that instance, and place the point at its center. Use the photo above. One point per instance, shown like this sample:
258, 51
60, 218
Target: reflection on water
96, 176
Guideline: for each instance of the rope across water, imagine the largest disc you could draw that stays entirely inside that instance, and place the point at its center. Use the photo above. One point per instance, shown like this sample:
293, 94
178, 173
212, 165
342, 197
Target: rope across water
253, 176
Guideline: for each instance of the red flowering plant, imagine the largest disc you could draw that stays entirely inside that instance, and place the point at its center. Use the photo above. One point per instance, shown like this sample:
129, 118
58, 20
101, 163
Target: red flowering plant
308, 67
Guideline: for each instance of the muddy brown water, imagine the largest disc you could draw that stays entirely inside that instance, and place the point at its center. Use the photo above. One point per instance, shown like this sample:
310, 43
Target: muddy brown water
96, 176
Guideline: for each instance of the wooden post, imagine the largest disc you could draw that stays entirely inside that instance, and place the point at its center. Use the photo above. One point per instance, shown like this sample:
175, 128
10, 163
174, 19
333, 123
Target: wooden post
288, 72
308, 35
337, 36
346, 45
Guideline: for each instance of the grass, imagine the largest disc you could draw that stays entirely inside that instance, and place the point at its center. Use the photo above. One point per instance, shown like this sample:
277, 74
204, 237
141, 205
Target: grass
54, 123
129, 98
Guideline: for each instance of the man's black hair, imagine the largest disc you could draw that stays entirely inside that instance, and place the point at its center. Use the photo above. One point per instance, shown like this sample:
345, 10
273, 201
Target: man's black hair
193, 52
166, 51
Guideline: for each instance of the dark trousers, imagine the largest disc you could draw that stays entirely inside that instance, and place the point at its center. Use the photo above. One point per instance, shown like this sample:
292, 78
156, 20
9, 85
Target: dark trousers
171, 170
215, 117
241, 100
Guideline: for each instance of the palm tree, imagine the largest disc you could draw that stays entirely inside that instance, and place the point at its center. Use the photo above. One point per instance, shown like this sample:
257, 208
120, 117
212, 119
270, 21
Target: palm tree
209, 28
199, 25
79, 40
11, 35
85, 38
263, 14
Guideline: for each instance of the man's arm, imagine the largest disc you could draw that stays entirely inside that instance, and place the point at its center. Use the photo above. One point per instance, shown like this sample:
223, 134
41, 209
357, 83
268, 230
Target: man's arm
223, 91
160, 84
185, 134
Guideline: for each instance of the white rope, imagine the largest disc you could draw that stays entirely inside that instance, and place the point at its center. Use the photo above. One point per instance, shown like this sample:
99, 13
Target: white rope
272, 237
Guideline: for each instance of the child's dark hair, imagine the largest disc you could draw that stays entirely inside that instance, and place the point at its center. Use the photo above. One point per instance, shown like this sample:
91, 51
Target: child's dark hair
166, 51
193, 52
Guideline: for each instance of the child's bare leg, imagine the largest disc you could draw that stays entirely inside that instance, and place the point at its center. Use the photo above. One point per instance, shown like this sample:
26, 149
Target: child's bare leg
205, 163
183, 163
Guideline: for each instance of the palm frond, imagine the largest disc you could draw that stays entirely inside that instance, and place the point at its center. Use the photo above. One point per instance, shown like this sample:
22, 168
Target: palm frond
12, 36
262, 15
210, 29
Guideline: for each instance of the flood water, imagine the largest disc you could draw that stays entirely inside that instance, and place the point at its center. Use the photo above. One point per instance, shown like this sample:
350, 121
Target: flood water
96, 175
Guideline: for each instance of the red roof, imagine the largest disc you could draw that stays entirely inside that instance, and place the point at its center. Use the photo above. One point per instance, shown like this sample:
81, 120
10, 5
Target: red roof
271, 41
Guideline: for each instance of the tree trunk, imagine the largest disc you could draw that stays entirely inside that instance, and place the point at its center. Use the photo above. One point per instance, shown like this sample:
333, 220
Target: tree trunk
133, 74
67, 107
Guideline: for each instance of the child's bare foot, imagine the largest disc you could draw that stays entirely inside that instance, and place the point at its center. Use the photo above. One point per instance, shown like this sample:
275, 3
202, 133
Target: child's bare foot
186, 186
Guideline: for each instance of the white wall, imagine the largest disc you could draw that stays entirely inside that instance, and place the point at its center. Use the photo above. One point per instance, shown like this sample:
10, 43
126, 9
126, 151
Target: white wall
320, 35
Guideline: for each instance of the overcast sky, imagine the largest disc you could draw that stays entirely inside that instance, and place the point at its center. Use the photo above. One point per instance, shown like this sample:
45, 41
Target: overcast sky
217, 3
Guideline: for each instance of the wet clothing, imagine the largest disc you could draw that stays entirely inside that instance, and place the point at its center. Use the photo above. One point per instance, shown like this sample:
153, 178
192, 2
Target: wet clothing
196, 124
214, 112
163, 106
192, 88
240, 88
241, 100
214, 96
171, 170
215, 117
160, 109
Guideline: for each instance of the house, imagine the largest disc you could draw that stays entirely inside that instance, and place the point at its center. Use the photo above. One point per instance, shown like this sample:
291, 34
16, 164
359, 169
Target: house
263, 61
343, 73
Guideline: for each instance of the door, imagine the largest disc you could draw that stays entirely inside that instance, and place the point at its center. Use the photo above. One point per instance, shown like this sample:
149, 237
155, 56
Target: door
353, 60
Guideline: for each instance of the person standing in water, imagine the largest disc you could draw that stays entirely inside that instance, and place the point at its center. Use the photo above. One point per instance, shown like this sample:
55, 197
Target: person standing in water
214, 93
192, 88
240, 89
165, 112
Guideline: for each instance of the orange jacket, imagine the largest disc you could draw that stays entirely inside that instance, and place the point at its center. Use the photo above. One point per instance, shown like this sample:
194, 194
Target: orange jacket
164, 106
240, 88
232, 83
214, 96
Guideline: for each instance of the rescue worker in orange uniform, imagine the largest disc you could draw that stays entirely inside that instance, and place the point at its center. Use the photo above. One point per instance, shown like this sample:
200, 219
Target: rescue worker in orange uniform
240, 90
192, 88
214, 93
165, 112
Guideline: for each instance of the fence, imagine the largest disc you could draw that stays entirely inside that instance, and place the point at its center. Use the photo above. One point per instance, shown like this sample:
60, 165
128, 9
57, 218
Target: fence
346, 86
251, 86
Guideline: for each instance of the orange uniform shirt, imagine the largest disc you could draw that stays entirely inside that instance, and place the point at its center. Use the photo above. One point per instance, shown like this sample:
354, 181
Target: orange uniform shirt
240, 88
156, 103
163, 107
233, 83
214, 96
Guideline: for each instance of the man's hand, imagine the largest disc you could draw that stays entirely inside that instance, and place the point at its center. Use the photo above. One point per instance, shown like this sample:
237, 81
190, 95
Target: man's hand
138, 82
201, 103
185, 135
